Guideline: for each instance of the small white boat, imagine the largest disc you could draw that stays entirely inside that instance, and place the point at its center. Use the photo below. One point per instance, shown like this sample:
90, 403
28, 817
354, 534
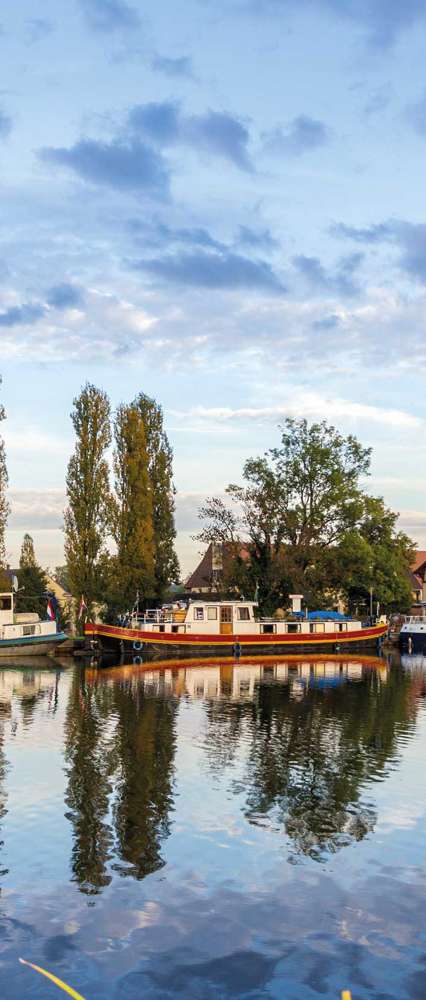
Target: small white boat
25, 634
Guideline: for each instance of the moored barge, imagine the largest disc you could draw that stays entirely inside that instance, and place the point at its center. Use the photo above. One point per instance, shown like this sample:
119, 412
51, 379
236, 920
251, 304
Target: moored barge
230, 628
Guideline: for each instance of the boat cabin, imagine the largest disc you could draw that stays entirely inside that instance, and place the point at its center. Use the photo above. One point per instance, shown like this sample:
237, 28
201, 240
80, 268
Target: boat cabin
6, 609
232, 618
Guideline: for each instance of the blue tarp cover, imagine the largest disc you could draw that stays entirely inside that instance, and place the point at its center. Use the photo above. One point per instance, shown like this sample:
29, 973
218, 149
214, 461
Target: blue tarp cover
324, 616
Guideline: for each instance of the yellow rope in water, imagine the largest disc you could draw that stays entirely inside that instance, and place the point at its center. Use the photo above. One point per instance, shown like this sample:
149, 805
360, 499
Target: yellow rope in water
54, 979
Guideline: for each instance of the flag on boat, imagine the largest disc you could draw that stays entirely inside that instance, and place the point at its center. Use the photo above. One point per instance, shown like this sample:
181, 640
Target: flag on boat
50, 610
82, 608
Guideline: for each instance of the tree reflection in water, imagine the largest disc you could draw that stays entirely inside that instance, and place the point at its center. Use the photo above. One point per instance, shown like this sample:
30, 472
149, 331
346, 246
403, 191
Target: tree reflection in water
308, 759
120, 754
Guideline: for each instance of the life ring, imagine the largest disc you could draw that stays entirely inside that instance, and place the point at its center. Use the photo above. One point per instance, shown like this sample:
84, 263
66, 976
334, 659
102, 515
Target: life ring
137, 660
137, 644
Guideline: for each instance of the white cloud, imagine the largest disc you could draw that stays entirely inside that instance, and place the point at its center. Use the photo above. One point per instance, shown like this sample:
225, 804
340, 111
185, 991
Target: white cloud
34, 509
34, 439
305, 404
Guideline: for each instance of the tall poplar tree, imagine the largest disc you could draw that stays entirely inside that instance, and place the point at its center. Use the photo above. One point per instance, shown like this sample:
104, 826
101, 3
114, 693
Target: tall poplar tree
87, 517
32, 581
4, 506
133, 524
160, 469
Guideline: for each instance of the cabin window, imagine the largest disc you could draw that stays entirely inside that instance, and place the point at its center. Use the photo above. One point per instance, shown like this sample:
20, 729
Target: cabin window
175, 628
5, 603
212, 614
312, 627
268, 629
28, 630
243, 614
292, 627
199, 614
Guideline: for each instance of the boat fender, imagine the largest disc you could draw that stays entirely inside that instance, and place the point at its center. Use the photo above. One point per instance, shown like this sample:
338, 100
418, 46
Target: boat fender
410, 644
137, 644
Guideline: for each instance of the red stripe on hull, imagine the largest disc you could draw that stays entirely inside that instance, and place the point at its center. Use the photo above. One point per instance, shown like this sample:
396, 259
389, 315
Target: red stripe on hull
197, 639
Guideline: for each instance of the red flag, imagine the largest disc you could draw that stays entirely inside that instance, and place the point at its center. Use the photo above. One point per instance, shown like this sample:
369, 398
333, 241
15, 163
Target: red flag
82, 608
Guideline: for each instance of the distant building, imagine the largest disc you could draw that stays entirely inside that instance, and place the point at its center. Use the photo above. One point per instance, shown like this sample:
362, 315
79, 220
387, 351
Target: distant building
417, 577
208, 575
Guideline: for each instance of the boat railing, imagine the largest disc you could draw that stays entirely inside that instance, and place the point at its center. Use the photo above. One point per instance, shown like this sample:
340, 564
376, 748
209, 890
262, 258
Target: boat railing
159, 616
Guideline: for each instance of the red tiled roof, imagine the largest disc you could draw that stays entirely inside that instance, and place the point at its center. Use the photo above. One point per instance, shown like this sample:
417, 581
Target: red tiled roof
419, 560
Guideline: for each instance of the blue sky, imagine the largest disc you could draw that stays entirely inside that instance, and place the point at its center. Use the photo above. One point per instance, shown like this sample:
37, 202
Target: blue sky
221, 206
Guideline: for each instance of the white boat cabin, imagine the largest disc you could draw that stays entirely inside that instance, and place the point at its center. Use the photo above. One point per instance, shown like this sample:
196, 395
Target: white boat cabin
231, 618
20, 626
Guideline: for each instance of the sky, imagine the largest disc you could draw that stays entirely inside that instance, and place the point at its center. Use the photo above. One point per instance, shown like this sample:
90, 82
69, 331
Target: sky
221, 205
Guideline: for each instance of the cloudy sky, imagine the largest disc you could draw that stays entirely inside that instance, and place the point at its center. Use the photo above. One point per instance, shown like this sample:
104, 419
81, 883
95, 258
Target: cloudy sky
220, 204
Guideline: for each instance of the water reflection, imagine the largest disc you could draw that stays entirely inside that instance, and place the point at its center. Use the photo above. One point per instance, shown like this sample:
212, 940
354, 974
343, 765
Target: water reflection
312, 732
313, 742
188, 787
120, 748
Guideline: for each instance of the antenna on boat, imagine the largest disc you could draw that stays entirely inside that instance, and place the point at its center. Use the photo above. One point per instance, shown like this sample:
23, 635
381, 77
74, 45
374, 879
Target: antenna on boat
137, 602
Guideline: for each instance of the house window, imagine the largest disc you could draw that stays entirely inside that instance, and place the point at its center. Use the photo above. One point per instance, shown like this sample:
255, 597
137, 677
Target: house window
212, 614
243, 614
199, 614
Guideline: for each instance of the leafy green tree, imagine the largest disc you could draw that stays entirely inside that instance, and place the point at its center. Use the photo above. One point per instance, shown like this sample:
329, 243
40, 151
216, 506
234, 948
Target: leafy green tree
88, 515
4, 505
308, 524
134, 566
160, 469
32, 593
295, 500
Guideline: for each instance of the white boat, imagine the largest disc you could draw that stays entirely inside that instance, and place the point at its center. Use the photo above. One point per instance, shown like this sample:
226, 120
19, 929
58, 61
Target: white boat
232, 627
24, 634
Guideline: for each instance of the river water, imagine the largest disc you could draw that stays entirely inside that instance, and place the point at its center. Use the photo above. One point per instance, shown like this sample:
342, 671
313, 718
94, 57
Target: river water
214, 830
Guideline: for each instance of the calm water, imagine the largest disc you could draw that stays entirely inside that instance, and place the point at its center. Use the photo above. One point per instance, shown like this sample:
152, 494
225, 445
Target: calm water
215, 831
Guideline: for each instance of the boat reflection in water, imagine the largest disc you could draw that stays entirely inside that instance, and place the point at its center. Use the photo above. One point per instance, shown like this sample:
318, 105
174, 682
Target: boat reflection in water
29, 681
239, 680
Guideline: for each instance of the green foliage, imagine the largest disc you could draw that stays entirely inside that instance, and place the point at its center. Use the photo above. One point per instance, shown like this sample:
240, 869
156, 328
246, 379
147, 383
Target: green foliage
61, 574
160, 470
88, 514
309, 526
32, 581
134, 567
27, 558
